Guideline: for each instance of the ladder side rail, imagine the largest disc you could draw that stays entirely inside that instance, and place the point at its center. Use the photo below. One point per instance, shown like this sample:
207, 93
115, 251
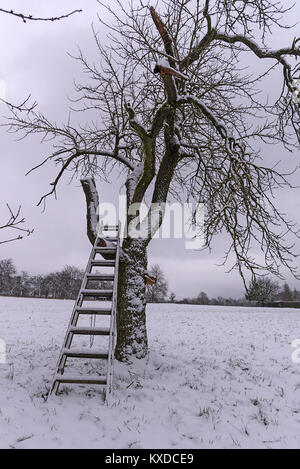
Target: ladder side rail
112, 335
80, 298
67, 341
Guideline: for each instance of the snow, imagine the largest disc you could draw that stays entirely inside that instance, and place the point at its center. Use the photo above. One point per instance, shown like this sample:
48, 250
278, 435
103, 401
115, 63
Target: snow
216, 377
163, 62
92, 200
133, 178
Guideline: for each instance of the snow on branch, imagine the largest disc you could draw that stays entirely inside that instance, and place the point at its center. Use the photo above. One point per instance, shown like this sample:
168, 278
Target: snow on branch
92, 214
261, 53
144, 172
134, 122
230, 143
278, 55
164, 68
92, 204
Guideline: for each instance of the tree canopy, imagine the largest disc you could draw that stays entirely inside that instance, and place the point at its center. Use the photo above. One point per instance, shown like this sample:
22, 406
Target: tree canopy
181, 107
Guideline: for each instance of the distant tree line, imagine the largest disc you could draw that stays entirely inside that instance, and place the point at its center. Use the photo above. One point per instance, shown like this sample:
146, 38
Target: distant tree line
63, 284
203, 299
265, 290
261, 291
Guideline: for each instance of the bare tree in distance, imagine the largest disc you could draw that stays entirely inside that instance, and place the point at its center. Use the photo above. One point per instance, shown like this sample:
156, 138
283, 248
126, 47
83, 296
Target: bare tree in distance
172, 297
178, 112
262, 289
15, 219
286, 294
156, 292
7, 272
202, 298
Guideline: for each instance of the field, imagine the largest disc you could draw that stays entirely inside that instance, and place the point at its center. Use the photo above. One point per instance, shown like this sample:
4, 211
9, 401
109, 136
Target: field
216, 377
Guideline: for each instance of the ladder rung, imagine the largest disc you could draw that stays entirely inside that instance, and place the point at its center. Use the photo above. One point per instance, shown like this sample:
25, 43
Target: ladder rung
102, 277
97, 311
103, 263
80, 379
97, 292
105, 250
89, 330
84, 353
110, 227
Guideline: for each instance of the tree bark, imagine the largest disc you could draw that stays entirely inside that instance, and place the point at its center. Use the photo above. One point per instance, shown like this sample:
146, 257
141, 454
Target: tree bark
131, 304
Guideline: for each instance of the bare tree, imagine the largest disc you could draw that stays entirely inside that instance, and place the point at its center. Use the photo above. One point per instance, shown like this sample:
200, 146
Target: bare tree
202, 299
262, 289
156, 291
7, 272
172, 297
286, 294
179, 113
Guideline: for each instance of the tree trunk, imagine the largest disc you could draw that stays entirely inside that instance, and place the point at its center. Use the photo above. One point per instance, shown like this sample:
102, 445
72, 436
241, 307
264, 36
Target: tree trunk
131, 302
131, 307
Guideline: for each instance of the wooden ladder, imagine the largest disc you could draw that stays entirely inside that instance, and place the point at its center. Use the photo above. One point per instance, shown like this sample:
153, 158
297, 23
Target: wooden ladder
67, 351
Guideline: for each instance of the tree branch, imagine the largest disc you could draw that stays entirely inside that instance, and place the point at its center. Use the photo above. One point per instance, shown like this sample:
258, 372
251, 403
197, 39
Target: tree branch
92, 215
167, 40
14, 223
148, 171
278, 55
169, 81
231, 144
264, 54
26, 18
75, 155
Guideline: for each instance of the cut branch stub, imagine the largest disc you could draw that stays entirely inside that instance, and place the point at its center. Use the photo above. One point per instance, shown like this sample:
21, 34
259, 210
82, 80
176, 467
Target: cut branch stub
92, 216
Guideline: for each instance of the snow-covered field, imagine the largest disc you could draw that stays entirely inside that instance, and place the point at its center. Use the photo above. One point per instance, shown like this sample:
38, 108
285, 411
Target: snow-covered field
216, 377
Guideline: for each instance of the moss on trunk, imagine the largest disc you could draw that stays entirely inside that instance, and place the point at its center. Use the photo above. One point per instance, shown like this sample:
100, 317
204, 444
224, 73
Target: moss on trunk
131, 306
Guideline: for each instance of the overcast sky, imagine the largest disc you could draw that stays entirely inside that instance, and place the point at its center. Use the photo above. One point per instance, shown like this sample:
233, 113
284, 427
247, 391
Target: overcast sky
34, 60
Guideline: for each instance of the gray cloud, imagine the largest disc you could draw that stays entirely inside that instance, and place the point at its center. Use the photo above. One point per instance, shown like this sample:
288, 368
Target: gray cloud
34, 60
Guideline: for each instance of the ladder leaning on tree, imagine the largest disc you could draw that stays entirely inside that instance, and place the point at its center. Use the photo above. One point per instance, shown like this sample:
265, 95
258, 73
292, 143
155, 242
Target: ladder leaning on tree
111, 250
